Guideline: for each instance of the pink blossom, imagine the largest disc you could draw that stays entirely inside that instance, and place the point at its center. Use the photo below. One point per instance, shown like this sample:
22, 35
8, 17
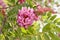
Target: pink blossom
2, 4
26, 17
49, 9
41, 10
21, 1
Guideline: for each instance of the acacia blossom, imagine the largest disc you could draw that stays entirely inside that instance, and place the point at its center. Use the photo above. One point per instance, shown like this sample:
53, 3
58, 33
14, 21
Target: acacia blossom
2, 4
21, 1
26, 17
42, 10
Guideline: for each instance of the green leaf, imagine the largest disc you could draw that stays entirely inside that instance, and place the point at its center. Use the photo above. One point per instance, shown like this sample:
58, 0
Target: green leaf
53, 36
46, 37
44, 18
23, 30
14, 10
30, 3
33, 38
53, 17
39, 37
36, 26
48, 14
18, 32
12, 34
23, 38
12, 13
42, 36
1, 19
29, 31
58, 23
28, 37
57, 20
7, 25
6, 38
57, 29
12, 2
48, 21
46, 28
2, 37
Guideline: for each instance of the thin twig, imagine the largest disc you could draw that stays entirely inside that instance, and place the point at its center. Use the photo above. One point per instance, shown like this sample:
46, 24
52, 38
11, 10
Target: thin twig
7, 7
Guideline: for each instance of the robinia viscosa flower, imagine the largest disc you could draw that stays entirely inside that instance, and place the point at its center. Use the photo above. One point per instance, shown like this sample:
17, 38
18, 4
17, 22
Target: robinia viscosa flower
42, 10
26, 17
2, 4
21, 1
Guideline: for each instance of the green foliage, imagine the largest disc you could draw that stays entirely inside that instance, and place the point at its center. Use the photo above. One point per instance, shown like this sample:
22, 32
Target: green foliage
30, 3
12, 2
46, 28
53, 36
57, 21
51, 28
2, 37
12, 31
1, 19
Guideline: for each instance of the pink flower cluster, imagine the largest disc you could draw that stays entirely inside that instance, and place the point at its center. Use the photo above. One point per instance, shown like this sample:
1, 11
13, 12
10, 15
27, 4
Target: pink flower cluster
21, 1
42, 10
26, 17
2, 4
